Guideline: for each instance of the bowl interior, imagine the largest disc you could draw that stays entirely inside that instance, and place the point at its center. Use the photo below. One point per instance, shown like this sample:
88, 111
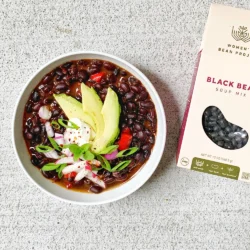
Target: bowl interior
84, 198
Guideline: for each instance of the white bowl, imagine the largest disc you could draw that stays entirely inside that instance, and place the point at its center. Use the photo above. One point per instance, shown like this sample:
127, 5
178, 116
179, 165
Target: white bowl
77, 197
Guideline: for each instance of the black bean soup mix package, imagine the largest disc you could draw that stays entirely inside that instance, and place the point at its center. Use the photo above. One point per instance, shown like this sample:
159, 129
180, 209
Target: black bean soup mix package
216, 127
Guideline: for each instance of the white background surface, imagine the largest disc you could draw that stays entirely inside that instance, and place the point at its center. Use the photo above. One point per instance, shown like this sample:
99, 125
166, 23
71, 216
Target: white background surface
176, 208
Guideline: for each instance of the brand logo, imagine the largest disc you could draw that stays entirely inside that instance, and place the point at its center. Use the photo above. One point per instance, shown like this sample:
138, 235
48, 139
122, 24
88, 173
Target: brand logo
241, 34
199, 163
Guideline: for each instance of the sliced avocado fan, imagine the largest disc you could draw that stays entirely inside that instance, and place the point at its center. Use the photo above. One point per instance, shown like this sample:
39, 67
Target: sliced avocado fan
92, 105
111, 114
73, 109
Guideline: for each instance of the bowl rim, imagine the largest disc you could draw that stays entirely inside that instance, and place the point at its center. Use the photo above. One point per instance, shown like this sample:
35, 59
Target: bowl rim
163, 134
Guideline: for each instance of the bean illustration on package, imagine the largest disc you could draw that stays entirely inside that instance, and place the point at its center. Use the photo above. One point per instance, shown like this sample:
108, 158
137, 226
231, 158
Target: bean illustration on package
222, 132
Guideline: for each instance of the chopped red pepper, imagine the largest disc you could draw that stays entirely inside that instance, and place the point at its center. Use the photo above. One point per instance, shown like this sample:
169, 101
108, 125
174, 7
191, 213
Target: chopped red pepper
97, 77
70, 175
125, 139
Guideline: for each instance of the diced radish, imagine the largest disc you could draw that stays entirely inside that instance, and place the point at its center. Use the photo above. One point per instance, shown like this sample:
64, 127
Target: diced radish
96, 180
49, 129
52, 154
58, 136
95, 162
111, 156
44, 113
67, 152
81, 174
59, 139
68, 160
76, 167
88, 167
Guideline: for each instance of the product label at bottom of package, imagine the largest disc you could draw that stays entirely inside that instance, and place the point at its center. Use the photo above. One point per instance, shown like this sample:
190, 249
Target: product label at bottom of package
215, 168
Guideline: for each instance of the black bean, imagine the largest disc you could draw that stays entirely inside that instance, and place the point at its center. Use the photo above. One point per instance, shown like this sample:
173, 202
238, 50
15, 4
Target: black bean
122, 177
134, 89
130, 121
109, 179
133, 81
139, 157
220, 143
34, 160
73, 70
38, 139
140, 134
29, 136
212, 118
140, 118
59, 72
78, 183
93, 69
131, 115
36, 129
86, 181
111, 78
211, 124
151, 139
61, 87
129, 95
228, 145
98, 86
143, 96
131, 106
123, 72
108, 65
29, 108
146, 147
228, 129
95, 189
35, 96
116, 71
143, 111
46, 79
124, 87
147, 104
221, 133
67, 65
238, 139
83, 75
55, 113
49, 174
138, 126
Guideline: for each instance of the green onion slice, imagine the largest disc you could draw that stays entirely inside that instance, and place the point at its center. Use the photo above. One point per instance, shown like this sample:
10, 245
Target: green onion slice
50, 167
55, 124
54, 144
104, 162
67, 124
43, 148
127, 152
120, 166
88, 156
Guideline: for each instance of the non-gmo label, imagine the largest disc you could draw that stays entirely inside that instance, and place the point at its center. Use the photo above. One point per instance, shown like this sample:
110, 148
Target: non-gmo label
215, 168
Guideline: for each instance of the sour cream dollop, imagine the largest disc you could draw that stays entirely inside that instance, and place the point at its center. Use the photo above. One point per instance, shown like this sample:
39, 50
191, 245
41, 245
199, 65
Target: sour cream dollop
78, 136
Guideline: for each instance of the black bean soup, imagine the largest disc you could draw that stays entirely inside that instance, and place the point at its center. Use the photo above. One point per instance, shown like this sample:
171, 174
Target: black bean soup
137, 113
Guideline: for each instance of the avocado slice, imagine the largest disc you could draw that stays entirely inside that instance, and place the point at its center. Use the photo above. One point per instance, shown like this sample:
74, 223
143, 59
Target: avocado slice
73, 109
92, 105
111, 114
